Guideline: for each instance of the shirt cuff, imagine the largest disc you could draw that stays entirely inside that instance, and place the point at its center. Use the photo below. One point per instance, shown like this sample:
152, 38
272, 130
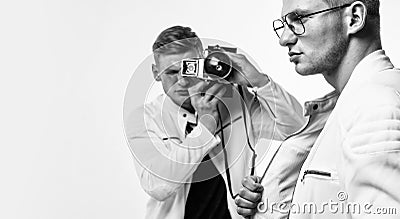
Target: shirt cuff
266, 90
201, 138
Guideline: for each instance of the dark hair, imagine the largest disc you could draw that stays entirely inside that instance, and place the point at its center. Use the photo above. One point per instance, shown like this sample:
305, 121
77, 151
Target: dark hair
373, 16
372, 5
176, 39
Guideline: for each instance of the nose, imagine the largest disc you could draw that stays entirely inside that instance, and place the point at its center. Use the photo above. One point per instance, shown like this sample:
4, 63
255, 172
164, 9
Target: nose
288, 37
183, 81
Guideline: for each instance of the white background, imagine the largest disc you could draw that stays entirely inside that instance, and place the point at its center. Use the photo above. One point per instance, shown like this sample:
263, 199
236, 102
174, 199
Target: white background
64, 69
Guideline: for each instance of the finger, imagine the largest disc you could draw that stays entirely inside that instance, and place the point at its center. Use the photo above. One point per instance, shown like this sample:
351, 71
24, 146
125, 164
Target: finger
251, 183
215, 98
213, 91
244, 203
245, 212
212, 87
236, 57
256, 179
197, 88
249, 195
237, 60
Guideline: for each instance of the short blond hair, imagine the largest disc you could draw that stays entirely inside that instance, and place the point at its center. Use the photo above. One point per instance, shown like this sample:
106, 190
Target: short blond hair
176, 39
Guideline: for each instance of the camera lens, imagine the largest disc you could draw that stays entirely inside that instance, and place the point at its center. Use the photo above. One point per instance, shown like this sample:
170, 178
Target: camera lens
218, 64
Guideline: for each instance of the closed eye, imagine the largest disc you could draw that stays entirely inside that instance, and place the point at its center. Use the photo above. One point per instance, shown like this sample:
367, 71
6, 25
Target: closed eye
171, 72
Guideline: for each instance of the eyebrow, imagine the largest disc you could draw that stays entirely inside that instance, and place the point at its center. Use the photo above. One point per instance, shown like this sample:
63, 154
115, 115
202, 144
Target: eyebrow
303, 11
299, 11
176, 65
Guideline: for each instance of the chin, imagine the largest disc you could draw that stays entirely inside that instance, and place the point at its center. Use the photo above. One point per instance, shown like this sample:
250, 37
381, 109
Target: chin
305, 70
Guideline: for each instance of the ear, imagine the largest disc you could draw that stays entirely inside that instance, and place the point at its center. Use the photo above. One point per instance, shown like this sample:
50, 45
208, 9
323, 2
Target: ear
356, 17
156, 76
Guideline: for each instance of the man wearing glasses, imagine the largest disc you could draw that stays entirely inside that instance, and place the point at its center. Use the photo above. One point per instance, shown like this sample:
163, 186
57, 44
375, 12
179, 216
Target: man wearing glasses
353, 168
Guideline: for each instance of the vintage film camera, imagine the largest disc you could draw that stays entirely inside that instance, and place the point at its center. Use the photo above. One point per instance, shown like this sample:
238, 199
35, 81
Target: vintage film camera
216, 66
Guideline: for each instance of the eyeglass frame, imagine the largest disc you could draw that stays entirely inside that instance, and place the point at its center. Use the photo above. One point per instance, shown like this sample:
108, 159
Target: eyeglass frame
299, 17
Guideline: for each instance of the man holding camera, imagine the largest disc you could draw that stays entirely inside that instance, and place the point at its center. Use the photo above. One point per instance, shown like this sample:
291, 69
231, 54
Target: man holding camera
194, 143
353, 168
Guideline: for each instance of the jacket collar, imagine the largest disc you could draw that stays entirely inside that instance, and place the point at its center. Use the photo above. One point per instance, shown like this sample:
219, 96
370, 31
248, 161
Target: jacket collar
321, 105
176, 113
375, 62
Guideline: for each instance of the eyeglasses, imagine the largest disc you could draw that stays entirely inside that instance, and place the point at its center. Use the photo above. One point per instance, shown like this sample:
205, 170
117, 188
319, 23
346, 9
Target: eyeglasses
295, 23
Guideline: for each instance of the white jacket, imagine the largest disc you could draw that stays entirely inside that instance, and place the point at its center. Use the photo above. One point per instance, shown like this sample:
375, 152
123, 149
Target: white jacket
165, 158
280, 174
353, 169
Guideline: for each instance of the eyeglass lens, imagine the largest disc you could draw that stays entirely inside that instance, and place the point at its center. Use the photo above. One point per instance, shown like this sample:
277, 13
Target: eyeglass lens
294, 23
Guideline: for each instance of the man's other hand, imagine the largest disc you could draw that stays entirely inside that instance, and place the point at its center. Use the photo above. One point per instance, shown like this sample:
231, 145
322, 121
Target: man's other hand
245, 73
249, 196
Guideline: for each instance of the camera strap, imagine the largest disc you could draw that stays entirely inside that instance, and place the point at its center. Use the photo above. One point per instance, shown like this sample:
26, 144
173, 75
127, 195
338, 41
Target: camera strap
240, 89
254, 155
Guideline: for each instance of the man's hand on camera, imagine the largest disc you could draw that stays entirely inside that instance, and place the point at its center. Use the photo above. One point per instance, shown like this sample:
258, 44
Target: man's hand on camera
205, 97
249, 196
245, 73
